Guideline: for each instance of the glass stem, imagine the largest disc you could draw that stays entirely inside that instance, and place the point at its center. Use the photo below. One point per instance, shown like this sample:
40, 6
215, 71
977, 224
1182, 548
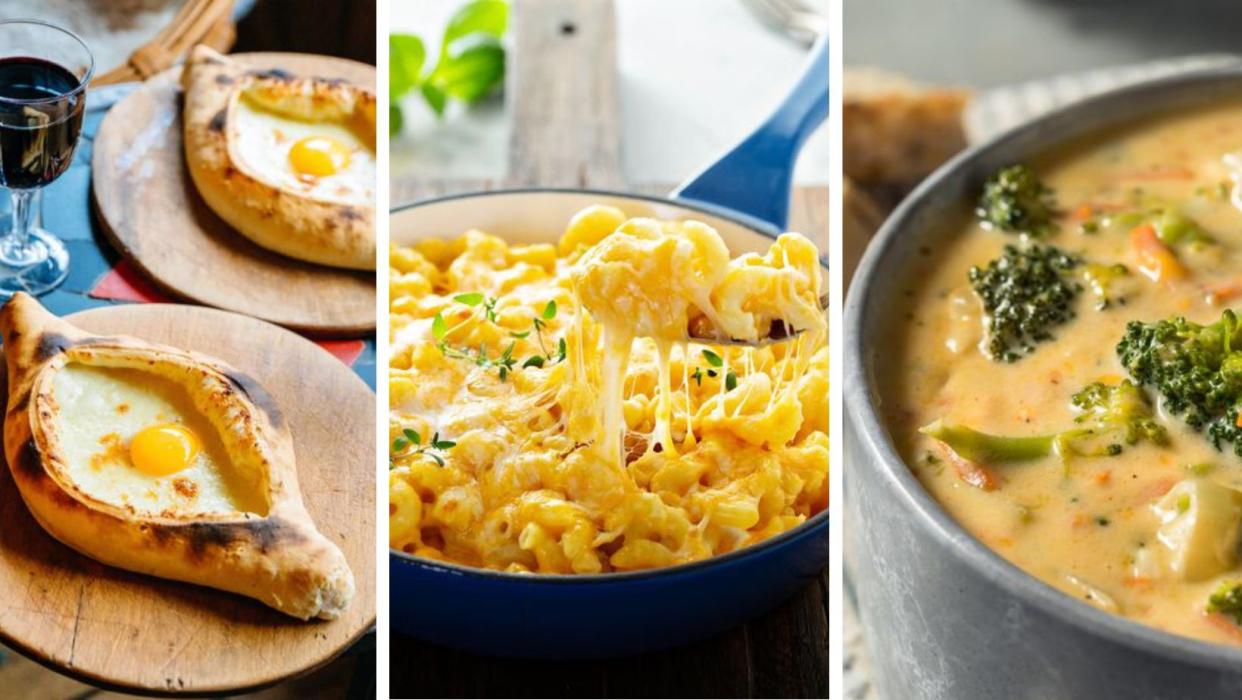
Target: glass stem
24, 213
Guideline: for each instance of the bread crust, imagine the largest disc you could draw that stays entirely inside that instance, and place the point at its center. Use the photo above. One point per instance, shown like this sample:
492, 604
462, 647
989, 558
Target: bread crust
278, 557
898, 132
279, 219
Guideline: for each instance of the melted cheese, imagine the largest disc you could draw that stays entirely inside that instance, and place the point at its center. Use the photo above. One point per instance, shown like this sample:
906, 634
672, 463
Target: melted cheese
100, 412
627, 454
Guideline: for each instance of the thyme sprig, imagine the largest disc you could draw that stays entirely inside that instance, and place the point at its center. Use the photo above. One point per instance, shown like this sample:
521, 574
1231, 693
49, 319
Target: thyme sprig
716, 363
434, 449
505, 362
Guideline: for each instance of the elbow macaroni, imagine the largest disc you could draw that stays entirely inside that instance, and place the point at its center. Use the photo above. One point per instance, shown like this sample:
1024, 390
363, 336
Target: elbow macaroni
583, 433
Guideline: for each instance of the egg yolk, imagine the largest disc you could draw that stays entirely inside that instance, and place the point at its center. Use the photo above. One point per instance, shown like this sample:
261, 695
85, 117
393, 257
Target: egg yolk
160, 450
318, 156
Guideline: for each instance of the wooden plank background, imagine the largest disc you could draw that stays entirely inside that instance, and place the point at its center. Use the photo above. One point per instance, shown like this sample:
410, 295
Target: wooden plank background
562, 95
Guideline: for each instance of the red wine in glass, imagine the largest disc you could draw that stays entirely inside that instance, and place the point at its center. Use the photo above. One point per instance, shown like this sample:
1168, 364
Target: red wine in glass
44, 73
37, 132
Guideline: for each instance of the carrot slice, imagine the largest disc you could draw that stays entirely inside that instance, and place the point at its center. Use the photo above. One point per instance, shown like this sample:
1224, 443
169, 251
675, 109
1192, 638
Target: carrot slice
1223, 292
1224, 624
1156, 260
975, 474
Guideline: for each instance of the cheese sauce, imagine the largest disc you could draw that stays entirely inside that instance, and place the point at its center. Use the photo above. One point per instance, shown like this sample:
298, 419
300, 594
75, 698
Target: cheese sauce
1089, 526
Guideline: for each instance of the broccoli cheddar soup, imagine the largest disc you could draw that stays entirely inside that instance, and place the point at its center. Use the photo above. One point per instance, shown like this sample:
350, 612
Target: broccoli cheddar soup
1067, 372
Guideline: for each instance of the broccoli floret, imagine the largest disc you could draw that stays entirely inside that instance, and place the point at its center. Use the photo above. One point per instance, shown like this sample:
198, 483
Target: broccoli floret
1121, 414
1015, 200
1175, 228
1196, 370
1119, 409
1227, 600
1103, 281
983, 448
1026, 292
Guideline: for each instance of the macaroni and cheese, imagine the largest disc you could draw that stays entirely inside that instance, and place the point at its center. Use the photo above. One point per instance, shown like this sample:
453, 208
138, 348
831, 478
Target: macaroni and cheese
548, 412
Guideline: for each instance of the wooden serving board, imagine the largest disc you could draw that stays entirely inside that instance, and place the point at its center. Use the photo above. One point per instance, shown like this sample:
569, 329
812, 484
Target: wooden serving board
152, 213
109, 627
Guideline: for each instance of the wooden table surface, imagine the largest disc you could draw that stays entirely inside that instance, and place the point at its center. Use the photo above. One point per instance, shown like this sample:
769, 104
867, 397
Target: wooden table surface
565, 133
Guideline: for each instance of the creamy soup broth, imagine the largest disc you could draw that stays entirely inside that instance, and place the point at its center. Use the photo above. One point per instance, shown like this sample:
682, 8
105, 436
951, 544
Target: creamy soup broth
1082, 525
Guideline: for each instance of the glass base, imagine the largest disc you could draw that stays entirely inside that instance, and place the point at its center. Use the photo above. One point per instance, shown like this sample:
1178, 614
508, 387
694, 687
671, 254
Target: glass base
37, 268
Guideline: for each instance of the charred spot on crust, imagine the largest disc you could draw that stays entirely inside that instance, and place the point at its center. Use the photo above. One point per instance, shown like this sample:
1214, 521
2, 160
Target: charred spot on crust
264, 534
223, 79
51, 345
217, 122
273, 73
258, 395
350, 214
29, 461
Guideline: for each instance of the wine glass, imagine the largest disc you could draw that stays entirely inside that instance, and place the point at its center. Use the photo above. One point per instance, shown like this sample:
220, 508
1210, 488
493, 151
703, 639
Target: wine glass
44, 71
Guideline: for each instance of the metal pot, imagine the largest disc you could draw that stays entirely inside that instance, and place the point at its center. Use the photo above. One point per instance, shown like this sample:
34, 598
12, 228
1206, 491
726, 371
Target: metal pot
946, 617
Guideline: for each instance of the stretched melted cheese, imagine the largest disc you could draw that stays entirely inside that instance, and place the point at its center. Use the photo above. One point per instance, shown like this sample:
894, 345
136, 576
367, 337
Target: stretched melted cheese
631, 452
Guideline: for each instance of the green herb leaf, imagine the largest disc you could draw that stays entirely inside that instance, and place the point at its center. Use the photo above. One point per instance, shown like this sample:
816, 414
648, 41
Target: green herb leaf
490, 17
712, 358
561, 351
396, 120
698, 375
471, 299
444, 444
439, 460
549, 311
406, 56
439, 328
400, 444
520, 336
474, 68
504, 373
435, 98
533, 361
413, 436
730, 381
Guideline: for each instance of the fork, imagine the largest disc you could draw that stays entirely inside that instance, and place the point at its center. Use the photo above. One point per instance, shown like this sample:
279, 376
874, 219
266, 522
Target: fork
778, 333
800, 20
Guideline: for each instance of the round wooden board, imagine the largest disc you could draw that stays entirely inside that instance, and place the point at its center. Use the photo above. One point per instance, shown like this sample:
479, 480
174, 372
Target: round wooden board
152, 213
142, 634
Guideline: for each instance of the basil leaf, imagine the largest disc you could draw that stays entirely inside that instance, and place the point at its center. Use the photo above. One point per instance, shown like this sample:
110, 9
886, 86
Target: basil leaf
471, 299
435, 97
490, 17
396, 120
472, 71
406, 56
549, 311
